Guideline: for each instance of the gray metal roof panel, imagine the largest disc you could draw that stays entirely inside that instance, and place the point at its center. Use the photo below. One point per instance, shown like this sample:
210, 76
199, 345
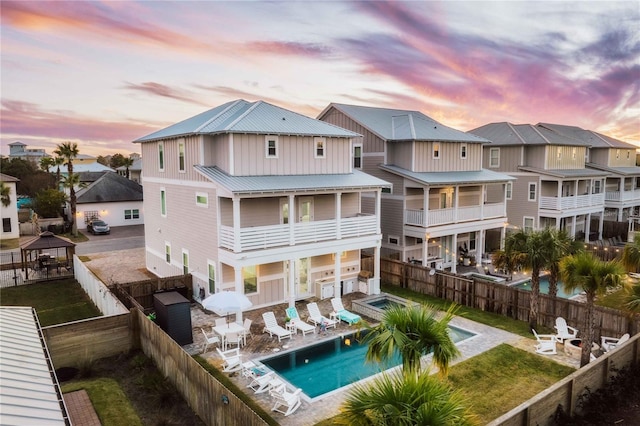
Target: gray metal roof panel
522, 134
588, 137
627, 171
565, 173
261, 184
110, 187
401, 125
450, 178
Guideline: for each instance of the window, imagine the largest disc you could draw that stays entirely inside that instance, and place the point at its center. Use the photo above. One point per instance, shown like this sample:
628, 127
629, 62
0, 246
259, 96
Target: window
494, 157
436, 151
181, 166
509, 190
596, 186
271, 146
211, 268
185, 262
559, 153
6, 224
167, 252
250, 279
527, 224
202, 199
357, 156
472, 241
573, 153
161, 156
463, 152
320, 142
386, 190
443, 200
131, 214
617, 153
532, 191
628, 154
284, 211
393, 240
163, 202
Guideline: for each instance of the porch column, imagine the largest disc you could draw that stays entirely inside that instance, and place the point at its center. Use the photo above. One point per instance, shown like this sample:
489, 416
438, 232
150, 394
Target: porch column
483, 190
292, 282
620, 210
480, 245
237, 270
376, 271
454, 252
338, 215
573, 226
455, 204
600, 224
425, 207
237, 246
336, 273
425, 249
503, 231
587, 227
378, 210
292, 216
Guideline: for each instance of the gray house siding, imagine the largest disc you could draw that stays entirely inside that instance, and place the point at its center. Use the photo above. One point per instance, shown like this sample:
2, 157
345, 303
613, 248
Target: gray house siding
371, 142
450, 157
519, 206
510, 158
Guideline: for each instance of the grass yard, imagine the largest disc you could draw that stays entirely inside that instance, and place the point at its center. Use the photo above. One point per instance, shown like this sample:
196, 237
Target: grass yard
56, 302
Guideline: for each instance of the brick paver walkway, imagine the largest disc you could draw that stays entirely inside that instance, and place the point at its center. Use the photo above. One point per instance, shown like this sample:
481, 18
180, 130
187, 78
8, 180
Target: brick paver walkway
80, 409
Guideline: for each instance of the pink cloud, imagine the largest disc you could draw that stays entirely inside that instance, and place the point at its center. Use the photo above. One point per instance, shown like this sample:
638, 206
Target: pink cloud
162, 90
312, 50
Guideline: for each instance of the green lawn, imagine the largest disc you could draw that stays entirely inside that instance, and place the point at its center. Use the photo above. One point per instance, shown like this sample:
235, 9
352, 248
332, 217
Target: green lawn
56, 302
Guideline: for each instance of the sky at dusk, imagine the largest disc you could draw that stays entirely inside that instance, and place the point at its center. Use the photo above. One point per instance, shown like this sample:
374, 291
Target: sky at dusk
103, 74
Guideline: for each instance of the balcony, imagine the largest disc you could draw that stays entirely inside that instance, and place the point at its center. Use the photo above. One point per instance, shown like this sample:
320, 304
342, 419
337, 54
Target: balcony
264, 237
572, 202
630, 195
453, 215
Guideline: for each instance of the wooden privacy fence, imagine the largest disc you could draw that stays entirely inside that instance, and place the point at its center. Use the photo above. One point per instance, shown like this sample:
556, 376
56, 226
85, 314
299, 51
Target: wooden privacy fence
139, 294
500, 298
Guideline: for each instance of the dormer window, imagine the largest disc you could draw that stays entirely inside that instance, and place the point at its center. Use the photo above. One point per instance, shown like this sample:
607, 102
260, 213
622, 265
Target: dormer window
559, 153
271, 146
573, 153
463, 152
319, 147
436, 151
181, 163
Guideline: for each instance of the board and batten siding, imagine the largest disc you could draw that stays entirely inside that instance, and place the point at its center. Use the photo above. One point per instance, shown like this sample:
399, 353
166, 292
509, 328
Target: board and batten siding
599, 156
392, 216
519, 206
449, 160
370, 142
510, 158
618, 157
562, 157
215, 149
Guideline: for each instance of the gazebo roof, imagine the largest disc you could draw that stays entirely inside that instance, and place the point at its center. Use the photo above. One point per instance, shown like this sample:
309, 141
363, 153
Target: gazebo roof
46, 240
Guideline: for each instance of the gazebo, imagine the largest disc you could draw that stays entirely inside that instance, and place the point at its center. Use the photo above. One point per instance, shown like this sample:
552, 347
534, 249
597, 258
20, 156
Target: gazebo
44, 253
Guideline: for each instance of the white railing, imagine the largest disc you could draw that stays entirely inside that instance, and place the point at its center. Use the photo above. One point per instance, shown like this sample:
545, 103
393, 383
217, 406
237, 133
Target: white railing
633, 194
571, 202
263, 237
462, 214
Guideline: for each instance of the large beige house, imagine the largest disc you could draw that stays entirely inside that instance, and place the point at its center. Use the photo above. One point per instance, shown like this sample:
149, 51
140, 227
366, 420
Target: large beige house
554, 186
261, 200
443, 208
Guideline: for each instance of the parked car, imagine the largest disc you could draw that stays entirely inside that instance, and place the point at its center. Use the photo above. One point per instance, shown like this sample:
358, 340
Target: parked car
98, 227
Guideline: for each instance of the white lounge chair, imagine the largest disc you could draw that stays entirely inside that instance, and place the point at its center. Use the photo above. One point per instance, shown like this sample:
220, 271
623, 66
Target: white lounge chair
316, 317
263, 383
564, 331
286, 402
232, 360
247, 330
209, 340
271, 326
342, 314
294, 318
609, 343
546, 343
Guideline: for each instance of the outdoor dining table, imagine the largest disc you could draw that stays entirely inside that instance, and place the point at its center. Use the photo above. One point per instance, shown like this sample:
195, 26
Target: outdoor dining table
223, 330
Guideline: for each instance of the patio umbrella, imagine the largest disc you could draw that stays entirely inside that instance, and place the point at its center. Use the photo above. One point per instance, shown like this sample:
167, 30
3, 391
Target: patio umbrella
226, 302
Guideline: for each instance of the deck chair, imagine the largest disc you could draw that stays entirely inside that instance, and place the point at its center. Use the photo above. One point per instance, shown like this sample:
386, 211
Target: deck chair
546, 343
271, 326
342, 314
232, 360
247, 330
263, 383
209, 340
286, 402
609, 343
564, 331
292, 313
316, 317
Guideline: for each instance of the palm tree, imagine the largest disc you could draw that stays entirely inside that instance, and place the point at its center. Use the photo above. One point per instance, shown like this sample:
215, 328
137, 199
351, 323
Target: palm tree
633, 298
631, 254
57, 162
46, 163
594, 277
68, 151
5, 194
127, 162
412, 331
405, 399
558, 244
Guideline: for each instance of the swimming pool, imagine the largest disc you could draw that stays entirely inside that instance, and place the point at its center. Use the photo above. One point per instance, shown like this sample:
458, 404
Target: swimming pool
330, 365
544, 288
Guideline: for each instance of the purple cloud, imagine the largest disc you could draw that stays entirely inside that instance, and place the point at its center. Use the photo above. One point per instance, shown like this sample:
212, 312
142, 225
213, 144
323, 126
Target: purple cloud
165, 91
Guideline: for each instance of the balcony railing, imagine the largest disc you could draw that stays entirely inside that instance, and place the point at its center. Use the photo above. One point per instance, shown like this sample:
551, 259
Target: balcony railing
452, 215
572, 202
264, 237
633, 194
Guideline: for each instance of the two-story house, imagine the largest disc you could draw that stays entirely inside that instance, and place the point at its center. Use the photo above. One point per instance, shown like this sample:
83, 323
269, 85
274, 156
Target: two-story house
442, 204
554, 188
257, 199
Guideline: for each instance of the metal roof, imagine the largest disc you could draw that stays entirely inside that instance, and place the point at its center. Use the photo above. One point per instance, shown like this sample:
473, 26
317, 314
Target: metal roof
523, 134
626, 171
29, 393
450, 178
82, 167
402, 125
588, 137
288, 183
565, 173
241, 116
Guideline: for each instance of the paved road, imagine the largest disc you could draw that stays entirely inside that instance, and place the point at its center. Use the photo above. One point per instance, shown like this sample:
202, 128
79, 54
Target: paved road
120, 238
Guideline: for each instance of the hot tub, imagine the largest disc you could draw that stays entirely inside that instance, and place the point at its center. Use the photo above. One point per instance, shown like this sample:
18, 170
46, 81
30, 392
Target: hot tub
374, 306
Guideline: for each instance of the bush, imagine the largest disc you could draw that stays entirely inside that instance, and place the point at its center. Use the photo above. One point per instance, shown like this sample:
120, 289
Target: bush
49, 203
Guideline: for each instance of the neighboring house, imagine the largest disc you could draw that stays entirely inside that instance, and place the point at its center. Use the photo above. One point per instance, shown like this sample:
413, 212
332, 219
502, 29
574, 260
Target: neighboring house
254, 198
443, 203
112, 198
82, 163
618, 159
19, 150
554, 188
10, 225
135, 171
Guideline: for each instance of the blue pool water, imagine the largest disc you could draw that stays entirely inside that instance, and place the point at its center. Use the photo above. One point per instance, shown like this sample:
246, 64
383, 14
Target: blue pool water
332, 364
544, 288
383, 303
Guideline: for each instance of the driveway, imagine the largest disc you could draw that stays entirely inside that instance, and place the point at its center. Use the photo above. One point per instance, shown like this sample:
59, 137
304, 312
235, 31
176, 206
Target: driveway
120, 238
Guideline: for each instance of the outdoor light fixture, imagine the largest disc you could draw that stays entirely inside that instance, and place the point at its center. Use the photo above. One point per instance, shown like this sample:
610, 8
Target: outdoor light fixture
225, 399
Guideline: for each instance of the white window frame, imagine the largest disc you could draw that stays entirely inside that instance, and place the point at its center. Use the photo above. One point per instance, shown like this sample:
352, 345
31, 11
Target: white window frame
161, 156
617, 154
390, 239
559, 153
211, 280
267, 140
182, 161
355, 146
597, 186
132, 213
204, 195
463, 151
574, 152
509, 191
185, 266
167, 252
524, 223
163, 202
322, 143
283, 202
535, 191
436, 150
497, 157
257, 274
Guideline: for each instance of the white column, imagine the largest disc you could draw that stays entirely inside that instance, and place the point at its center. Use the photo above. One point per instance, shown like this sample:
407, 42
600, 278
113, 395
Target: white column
376, 271
292, 220
455, 205
239, 288
503, 231
600, 224
587, 227
620, 211
480, 245
336, 273
425, 207
338, 215
292, 282
573, 226
236, 225
378, 210
454, 252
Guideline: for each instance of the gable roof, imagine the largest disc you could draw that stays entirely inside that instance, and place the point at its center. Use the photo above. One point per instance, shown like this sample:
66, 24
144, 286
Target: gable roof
241, 116
402, 125
110, 187
509, 134
588, 137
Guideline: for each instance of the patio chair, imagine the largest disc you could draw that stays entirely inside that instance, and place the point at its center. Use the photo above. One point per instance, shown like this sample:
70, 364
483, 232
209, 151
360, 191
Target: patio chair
342, 314
295, 319
271, 326
316, 317
221, 322
209, 340
233, 339
546, 343
247, 330
232, 360
564, 331
264, 383
609, 343
286, 402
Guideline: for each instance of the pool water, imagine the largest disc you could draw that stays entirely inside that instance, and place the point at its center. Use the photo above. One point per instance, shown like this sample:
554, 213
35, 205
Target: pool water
383, 303
330, 365
544, 288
